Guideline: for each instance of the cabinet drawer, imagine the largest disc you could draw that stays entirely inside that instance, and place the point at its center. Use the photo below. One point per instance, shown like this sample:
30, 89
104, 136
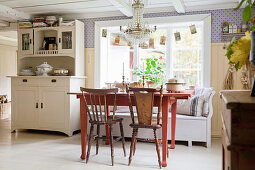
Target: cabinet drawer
26, 81
54, 81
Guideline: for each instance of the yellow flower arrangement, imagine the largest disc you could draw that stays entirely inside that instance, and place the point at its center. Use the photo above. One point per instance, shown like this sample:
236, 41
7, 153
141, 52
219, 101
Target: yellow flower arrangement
238, 51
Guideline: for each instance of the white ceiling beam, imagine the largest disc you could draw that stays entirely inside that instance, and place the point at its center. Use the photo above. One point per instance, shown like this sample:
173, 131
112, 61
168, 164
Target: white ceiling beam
4, 23
122, 6
13, 14
13, 26
179, 6
8, 39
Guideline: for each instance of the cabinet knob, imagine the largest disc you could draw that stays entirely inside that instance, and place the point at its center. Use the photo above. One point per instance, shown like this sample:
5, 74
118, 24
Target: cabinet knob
36, 105
41, 105
53, 80
24, 80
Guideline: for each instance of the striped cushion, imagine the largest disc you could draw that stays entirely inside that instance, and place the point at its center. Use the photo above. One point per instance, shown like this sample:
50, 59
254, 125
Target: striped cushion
196, 106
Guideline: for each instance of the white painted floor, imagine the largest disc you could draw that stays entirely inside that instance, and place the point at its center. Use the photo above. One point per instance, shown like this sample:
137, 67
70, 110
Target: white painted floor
42, 150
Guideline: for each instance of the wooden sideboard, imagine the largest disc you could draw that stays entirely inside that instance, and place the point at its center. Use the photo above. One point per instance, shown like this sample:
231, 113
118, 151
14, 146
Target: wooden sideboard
238, 130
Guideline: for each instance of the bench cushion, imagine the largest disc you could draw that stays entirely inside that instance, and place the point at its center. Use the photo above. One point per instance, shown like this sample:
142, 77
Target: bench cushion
127, 114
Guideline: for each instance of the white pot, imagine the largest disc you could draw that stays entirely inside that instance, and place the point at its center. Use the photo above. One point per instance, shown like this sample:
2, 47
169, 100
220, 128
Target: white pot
175, 87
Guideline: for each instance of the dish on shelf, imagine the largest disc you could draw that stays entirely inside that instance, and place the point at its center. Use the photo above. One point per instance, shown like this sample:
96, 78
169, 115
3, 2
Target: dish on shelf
60, 72
51, 20
26, 74
44, 69
67, 23
26, 70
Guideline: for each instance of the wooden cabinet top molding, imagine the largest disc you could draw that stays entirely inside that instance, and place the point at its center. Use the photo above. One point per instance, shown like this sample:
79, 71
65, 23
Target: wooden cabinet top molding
238, 99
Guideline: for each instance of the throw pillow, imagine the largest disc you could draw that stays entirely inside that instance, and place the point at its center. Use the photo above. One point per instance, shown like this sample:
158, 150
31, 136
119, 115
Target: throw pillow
196, 106
183, 107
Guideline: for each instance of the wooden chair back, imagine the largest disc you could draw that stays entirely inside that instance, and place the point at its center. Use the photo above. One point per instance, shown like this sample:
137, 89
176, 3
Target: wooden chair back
96, 104
144, 101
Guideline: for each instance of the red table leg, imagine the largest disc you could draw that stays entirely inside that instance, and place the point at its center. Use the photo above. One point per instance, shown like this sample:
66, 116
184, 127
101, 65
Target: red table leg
83, 119
107, 128
173, 124
164, 130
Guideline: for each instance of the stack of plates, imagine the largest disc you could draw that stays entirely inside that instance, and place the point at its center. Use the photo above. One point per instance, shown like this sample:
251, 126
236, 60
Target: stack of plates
26, 72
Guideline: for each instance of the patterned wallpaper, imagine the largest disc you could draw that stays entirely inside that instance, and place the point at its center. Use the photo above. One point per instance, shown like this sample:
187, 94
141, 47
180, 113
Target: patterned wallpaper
218, 17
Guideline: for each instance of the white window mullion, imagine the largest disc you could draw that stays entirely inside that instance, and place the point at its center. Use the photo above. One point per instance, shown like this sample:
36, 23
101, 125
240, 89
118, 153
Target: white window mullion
136, 59
170, 49
168, 54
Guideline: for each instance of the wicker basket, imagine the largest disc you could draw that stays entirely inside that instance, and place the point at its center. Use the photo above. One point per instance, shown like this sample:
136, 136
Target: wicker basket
5, 110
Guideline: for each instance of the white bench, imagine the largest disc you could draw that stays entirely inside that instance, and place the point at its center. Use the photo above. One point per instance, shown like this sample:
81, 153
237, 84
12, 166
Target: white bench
188, 128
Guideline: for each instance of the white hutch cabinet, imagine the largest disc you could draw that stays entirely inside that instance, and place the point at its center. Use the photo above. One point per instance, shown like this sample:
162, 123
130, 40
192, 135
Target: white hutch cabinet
40, 102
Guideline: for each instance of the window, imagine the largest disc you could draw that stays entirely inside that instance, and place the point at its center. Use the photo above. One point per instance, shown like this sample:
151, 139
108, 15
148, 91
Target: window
118, 54
186, 58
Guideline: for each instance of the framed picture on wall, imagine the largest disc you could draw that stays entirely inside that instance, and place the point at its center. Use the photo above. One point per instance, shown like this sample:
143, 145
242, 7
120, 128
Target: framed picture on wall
162, 40
193, 29
104, 33
177, 36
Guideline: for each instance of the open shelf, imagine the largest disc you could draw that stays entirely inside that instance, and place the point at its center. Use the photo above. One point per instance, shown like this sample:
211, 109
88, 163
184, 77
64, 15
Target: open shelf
233, 34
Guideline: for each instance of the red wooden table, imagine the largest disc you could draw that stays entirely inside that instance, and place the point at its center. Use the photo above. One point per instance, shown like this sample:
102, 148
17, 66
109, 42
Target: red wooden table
122, 100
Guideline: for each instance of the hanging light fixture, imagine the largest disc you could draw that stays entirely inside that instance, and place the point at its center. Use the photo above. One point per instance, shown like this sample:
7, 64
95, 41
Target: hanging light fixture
138, 31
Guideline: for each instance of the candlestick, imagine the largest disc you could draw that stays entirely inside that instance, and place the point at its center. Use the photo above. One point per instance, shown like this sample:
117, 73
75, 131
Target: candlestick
143, 81
123, 84
123, 69
143, 68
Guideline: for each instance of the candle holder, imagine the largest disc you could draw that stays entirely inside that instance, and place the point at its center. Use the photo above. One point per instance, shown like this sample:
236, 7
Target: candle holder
123, 84
143, 81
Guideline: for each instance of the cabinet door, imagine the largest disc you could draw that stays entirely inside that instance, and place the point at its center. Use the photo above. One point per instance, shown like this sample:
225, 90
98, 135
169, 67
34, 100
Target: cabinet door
25, 41
66, 40
53, 108
25, 107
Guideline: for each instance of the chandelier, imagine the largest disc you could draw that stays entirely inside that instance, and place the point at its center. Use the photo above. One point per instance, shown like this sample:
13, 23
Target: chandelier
138, 31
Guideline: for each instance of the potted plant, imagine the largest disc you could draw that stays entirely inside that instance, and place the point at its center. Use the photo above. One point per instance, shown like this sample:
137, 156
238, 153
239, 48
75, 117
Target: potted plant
154, 71
191, 84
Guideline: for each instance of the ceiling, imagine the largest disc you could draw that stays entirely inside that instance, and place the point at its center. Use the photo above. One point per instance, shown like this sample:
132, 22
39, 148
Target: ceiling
94, 7
13, 10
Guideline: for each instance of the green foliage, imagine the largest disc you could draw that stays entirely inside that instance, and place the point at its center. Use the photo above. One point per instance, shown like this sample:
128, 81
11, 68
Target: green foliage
247, 16
154, 71
252, 28
247, 13
240, 4
230, 52
229, 49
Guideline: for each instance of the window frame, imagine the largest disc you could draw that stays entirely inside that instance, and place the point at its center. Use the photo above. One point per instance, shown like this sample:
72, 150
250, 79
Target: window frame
206, 41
